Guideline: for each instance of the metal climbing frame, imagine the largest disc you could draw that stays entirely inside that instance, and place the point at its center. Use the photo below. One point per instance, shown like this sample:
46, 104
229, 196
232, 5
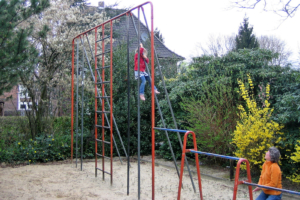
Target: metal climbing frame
101, 95
237, 174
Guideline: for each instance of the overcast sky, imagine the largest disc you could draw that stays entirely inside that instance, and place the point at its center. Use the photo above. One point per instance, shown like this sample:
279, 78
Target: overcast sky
186, 24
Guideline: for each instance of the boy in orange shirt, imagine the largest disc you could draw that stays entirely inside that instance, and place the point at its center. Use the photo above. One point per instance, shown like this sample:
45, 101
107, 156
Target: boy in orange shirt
270, 176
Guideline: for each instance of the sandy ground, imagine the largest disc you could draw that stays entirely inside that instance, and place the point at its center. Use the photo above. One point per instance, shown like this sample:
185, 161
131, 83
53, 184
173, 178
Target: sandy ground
65, 181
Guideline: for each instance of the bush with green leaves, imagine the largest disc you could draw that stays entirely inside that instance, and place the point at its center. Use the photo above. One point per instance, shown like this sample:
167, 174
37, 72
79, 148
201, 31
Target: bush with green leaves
42, 149
213, 116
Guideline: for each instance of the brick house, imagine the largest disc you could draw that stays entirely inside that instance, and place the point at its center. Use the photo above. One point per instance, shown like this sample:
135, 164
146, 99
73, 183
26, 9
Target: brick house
14, 102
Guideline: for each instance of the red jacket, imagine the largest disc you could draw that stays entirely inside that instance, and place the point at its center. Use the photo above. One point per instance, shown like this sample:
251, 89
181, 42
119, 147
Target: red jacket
142, 63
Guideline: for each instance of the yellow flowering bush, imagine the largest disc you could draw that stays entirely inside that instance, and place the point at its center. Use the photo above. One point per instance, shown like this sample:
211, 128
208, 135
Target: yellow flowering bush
296, 158
255, 132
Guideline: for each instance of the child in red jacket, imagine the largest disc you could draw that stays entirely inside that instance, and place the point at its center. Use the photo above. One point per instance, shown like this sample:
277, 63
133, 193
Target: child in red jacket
143, 75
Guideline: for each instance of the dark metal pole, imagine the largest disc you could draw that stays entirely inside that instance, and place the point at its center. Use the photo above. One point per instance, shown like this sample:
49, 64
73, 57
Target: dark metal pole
231, 170
77, 82
164, 125
128, 108
139, 120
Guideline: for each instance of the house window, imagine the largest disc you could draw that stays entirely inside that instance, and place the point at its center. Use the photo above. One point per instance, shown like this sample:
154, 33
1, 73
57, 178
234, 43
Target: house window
144, 36
24, 101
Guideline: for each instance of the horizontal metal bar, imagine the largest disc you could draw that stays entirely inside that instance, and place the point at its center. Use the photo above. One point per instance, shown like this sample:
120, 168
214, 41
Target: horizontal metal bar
272, 188
102, 170
172, 130
106, 142
103, 82
103, 53
103, 67
99, 126
102, 112
102, 97
103, 38
212, 154
102, 156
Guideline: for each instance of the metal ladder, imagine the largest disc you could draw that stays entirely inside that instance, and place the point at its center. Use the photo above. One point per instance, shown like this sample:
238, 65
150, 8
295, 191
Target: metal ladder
108, 126
104, 99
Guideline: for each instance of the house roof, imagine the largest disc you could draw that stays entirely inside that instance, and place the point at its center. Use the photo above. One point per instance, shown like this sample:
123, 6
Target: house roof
120, 33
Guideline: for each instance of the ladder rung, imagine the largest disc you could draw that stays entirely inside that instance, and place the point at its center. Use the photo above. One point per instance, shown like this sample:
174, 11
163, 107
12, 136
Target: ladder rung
102, 112
106, 142
103, 53
103, 82
103, 38
99, 126
102, 170
103, 97
103, 67
102, 156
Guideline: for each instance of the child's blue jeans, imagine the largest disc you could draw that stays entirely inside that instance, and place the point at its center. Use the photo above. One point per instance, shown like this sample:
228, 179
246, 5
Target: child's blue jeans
264, 196
144, 79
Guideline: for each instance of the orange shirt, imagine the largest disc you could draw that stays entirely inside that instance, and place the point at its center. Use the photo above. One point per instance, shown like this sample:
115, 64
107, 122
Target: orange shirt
270, 176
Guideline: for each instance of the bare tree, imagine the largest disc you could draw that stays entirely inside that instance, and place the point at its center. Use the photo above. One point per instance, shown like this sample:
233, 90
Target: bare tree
276, 45
284, 8
218, 45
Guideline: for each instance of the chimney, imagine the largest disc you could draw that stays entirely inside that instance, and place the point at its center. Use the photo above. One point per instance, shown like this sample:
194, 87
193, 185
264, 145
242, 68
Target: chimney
101, 4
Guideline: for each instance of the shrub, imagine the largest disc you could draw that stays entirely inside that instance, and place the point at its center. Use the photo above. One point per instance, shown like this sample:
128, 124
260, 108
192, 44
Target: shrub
296, 158
42, 149
213, 117
255, 131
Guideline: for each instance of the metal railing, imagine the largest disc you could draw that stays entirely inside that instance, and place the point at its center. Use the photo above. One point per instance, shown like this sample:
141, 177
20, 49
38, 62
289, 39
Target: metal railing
236, 180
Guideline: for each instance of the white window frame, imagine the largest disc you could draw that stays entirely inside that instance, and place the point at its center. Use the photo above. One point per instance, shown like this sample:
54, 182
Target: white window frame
21, 95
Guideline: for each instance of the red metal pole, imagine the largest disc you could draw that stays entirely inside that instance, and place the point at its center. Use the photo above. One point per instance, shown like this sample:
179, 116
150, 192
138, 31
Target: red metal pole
184, 150
249, 179
181, 168
197, 163
72, 100
236, 180
96, 106
111, 102
181, 173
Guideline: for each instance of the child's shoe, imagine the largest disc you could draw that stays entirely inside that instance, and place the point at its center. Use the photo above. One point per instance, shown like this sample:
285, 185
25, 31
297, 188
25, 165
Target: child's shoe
156, 92
142, 97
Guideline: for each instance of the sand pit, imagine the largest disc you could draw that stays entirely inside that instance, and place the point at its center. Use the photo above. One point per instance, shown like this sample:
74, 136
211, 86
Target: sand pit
62, 180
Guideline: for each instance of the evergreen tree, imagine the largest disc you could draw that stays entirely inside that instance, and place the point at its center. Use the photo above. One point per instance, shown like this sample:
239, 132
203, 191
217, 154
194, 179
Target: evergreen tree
159, 35
245, 38
15, 48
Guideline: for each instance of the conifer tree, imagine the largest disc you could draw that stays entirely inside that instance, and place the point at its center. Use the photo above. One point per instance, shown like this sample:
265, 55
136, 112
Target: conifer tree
245, 38
15, 48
